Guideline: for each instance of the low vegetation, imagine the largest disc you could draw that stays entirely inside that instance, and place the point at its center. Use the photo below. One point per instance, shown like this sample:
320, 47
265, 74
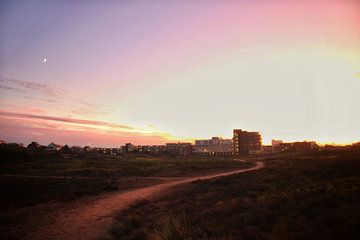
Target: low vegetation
42, 163
303, 196
36, 183
28, 177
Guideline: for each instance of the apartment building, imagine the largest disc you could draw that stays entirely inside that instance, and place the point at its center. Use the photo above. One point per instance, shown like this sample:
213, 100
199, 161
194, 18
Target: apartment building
213, 146
246, 143
179, 148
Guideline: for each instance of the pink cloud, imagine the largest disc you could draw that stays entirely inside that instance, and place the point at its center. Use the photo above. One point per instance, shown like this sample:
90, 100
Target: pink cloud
25, 128
65, 120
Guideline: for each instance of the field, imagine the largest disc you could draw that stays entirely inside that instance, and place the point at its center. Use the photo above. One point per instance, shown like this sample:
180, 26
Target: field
38, 184
296, 196
32, 178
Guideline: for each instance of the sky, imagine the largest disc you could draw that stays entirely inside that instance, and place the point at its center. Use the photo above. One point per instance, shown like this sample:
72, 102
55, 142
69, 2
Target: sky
149, 72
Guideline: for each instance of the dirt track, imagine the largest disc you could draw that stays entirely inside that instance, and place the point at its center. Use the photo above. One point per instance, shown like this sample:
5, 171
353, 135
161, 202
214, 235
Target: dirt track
91, 219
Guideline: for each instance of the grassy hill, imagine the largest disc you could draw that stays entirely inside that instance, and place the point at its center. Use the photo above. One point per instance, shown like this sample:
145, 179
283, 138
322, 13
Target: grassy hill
303, 196
33, 177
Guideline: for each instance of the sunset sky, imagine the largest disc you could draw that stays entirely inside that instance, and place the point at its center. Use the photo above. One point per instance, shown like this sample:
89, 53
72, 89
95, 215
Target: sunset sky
149, 72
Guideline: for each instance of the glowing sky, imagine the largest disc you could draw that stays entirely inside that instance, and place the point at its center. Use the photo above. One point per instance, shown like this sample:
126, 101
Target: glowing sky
149, 72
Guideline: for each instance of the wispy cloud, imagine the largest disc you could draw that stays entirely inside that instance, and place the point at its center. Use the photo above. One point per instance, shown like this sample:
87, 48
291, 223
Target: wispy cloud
87, 108
31, 90
20, 85
22, 127
9, 88
66, 120
44, 93
49, 100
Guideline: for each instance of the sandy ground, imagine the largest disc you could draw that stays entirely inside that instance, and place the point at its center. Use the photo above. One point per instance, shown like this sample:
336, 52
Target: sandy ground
91, 218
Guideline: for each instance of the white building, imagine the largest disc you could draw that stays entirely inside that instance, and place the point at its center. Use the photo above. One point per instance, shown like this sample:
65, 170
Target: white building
213, 146
53, 147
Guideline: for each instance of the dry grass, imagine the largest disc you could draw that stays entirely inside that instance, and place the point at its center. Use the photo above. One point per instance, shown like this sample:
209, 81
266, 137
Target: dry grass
308, 196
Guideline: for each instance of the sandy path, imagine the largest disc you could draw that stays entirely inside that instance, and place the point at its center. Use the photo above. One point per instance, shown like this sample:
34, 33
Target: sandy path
92, 219
71, 177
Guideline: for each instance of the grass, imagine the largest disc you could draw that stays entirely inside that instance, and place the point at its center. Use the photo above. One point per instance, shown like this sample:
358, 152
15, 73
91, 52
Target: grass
100, 165
85, 174
35, 183
297, 196
23, 192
